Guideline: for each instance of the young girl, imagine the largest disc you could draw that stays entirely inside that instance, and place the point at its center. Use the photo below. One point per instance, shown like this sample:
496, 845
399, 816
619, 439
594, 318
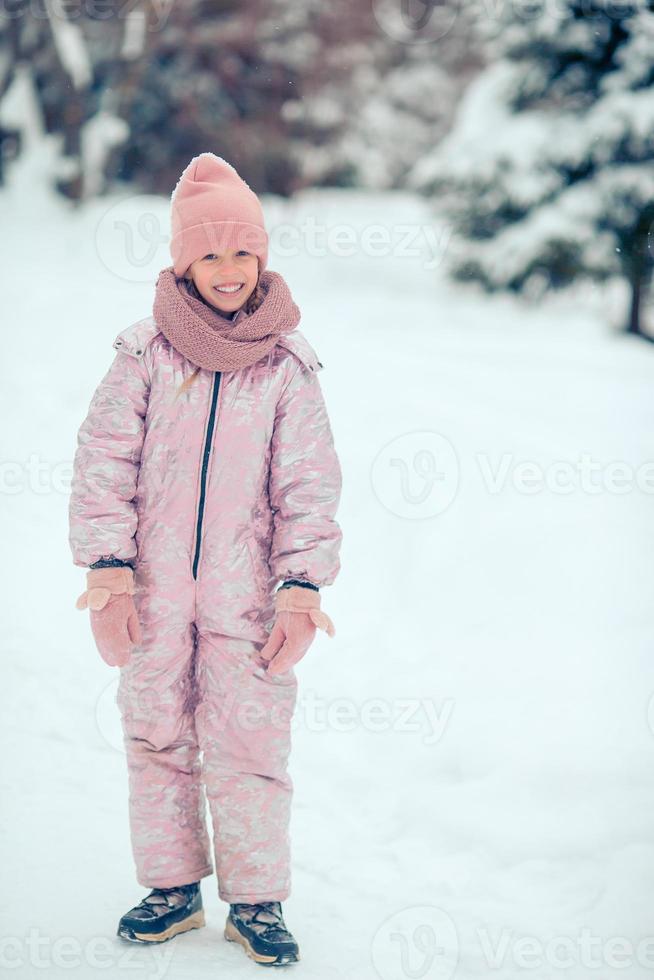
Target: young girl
205, 475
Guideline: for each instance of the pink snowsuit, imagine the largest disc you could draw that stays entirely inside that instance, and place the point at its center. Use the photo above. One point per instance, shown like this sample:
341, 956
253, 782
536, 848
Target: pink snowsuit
216, 496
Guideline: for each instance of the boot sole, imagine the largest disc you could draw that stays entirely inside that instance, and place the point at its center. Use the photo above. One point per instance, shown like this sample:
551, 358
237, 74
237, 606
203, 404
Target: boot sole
195, 921
232, 935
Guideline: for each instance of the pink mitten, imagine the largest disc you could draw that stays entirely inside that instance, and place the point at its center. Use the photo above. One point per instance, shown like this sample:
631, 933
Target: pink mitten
114, 620
298, 614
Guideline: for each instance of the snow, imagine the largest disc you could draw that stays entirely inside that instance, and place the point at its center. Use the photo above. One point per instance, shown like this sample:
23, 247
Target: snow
70, 44
473, 750
135, 34
99, 135
19, 108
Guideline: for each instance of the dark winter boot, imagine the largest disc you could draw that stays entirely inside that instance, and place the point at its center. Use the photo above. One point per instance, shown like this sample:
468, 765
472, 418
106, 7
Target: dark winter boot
261, 931
162, 914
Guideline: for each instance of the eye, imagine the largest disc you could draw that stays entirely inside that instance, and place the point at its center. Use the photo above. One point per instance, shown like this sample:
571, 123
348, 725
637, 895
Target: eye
211, 255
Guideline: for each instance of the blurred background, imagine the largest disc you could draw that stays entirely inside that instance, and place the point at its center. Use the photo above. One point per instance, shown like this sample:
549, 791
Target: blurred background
529, 126
460, 196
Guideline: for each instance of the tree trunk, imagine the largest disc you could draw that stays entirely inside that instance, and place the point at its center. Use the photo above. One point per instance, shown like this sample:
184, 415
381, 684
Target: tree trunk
639, 271
633, 323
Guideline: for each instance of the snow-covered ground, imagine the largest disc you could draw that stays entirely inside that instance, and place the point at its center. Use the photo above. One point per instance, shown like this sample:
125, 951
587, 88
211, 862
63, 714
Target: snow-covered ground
474, 751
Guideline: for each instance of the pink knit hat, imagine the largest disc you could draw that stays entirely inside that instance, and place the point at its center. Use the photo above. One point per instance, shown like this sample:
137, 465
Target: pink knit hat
213, 209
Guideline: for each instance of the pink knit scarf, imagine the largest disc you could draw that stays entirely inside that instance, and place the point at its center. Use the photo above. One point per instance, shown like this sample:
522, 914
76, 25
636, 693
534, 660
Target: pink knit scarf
210, 339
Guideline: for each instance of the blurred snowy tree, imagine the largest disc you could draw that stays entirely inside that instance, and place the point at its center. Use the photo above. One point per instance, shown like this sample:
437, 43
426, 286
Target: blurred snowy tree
73, 53
380, 92
548, 174
218, 77
10, 141
204, 85
293, 93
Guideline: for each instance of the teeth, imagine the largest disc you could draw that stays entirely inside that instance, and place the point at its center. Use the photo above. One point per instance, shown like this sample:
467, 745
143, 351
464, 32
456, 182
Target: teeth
229, 289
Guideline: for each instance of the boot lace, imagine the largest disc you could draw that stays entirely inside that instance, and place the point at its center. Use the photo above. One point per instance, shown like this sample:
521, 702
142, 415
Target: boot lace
264, 918
162, 900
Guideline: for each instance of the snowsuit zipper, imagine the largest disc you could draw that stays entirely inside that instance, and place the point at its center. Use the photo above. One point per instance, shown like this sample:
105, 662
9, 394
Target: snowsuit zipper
205, 466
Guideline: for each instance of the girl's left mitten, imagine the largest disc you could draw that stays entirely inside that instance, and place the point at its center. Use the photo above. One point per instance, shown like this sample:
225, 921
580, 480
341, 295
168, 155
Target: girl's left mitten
114, 620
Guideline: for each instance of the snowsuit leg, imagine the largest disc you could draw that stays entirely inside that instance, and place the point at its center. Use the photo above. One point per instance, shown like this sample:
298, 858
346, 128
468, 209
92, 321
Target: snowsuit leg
188, 690
157, 697
243, 721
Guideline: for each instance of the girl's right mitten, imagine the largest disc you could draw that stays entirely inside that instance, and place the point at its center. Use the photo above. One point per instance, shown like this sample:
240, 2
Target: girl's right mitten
114, 620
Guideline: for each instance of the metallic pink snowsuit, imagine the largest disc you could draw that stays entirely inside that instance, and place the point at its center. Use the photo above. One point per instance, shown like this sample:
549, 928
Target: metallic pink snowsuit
216, 496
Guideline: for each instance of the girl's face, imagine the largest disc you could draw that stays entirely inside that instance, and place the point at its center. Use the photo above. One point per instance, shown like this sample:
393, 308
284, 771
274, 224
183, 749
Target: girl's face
233, 268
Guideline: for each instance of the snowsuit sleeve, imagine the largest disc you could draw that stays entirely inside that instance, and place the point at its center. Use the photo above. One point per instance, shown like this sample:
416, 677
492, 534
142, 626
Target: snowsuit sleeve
102, 509
305, 485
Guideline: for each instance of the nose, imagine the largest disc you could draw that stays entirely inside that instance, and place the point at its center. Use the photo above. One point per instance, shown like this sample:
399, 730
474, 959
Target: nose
227, 270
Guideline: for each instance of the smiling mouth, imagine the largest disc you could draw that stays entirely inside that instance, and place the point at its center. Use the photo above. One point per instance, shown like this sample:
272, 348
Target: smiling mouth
229, 289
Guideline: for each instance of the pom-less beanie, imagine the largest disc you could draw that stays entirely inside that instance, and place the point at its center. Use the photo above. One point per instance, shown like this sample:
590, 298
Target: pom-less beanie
213, 209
